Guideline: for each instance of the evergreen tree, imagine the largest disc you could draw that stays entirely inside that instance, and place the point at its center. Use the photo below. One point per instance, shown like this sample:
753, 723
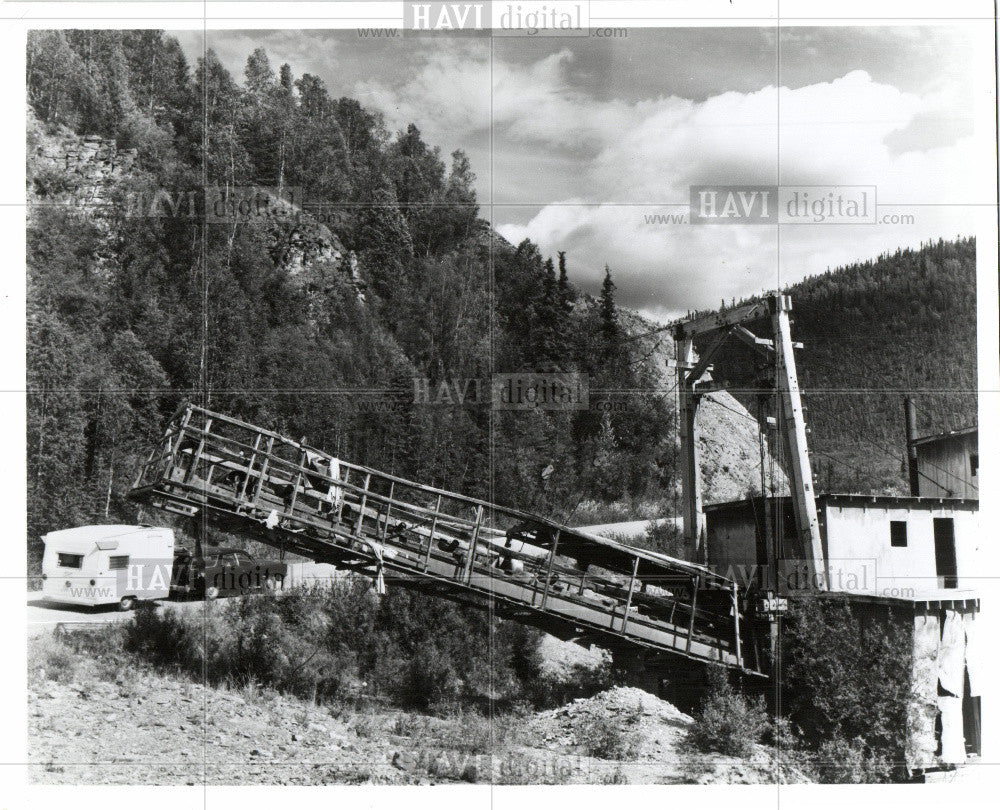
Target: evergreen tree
608, 312
565, 292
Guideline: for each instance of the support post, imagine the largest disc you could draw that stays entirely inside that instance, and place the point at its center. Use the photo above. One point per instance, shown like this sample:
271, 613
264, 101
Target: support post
263, 469
253, 460
910, 415
695, 582
430, 537
364, 504
687, 407
198, 452
388, 510
794, 436
548, 572
631, 590
736, 625
343, 497
470, 564
180, 439
297, 484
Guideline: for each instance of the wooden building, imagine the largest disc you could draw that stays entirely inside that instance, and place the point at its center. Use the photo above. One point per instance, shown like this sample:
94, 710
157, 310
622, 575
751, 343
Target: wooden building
948, 464
881, 545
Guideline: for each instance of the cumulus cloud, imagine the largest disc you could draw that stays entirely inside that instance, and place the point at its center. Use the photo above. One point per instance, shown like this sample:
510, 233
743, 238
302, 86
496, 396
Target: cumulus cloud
832, 133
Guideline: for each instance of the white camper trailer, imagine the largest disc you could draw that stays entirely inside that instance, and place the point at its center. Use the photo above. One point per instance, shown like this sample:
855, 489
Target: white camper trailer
102, 565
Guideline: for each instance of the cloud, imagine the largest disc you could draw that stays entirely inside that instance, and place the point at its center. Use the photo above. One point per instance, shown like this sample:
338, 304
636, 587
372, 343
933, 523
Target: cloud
838, 132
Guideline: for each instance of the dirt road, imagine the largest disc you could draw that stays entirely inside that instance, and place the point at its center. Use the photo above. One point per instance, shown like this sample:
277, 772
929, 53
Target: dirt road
45, 615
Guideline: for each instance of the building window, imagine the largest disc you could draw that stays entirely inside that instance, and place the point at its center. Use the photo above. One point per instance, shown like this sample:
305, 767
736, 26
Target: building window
974, 464
897, 533
118, 563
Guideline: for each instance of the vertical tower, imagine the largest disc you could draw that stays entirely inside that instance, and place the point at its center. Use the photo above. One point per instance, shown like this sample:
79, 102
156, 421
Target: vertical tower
779, 349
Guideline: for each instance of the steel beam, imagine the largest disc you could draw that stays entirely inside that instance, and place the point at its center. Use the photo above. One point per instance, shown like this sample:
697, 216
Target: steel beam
721, 320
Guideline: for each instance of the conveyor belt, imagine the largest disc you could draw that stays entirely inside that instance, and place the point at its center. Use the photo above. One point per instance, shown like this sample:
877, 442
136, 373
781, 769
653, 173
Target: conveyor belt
255, 482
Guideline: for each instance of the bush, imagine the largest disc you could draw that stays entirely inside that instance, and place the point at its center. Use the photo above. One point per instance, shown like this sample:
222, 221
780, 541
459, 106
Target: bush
839, 761
847, 680
244, 642
727, 722
582, 681
666, 538
50, 659
610, 737
329, 643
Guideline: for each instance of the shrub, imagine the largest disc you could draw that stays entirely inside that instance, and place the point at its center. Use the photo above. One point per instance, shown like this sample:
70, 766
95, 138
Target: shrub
841, 761
547, 690
53, 181
847, 680
329, 643
244, 642
50, 659
727, 722
610, 737
666, 538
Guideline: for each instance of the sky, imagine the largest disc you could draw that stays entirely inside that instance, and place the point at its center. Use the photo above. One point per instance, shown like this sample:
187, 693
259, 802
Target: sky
578, 142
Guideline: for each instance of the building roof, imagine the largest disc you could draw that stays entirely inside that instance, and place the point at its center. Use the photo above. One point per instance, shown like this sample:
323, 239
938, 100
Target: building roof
943, 437
859, 499
927, 598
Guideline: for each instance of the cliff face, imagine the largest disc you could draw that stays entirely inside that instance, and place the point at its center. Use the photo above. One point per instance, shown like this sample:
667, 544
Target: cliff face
96, 179
67, 169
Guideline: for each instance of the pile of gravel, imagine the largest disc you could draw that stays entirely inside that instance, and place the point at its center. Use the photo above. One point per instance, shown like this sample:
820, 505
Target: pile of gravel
660, 725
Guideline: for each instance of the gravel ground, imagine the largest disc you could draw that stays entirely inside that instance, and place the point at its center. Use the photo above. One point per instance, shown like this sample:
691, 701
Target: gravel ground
86, 726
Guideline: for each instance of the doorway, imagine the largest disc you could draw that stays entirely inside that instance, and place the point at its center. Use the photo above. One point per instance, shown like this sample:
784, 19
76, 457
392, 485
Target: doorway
944, 552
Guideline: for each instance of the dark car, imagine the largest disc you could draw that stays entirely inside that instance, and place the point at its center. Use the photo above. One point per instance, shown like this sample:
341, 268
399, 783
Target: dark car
223, 572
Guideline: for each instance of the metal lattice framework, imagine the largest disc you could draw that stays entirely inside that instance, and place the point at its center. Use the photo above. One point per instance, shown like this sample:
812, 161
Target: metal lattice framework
253, 481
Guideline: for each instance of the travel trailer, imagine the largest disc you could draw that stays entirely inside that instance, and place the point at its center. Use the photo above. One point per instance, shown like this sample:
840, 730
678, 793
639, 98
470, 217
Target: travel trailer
110, 564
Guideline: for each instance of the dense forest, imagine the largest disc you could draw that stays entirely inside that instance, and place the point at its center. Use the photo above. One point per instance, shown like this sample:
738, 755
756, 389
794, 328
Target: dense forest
904, 323
281, 321
873, 333
320, 330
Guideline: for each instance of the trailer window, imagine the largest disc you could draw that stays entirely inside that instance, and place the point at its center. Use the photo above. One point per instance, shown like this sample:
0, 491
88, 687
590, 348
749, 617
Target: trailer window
71, 561
897, 533
118, 563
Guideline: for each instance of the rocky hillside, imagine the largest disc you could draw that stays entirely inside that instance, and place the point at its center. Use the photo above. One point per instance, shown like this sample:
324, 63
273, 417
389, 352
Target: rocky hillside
92, 177
728, 441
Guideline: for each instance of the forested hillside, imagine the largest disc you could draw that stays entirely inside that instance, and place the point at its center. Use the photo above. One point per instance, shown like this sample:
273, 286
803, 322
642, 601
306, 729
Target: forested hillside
315, 321
875, 331
904, 323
